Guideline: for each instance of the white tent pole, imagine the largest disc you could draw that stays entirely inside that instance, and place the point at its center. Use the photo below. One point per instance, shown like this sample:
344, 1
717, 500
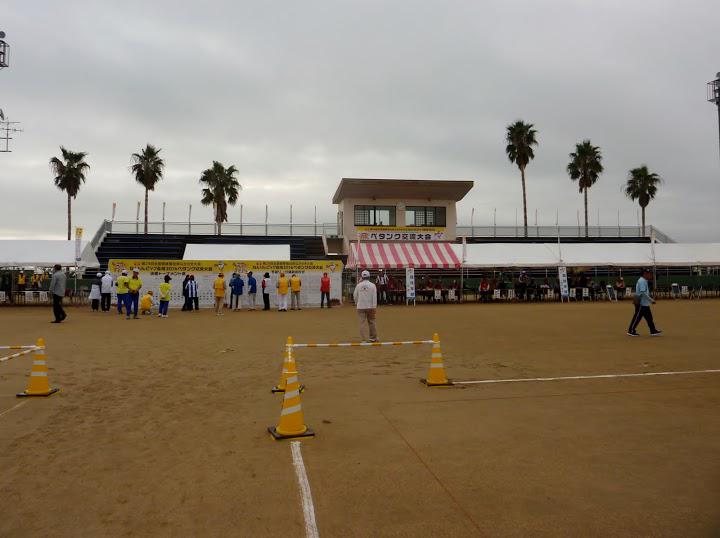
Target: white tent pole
189, 217
472, 222
112, 219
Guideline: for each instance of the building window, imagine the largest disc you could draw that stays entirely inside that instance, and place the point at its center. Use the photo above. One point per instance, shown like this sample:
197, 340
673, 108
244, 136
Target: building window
372, 215
425, 216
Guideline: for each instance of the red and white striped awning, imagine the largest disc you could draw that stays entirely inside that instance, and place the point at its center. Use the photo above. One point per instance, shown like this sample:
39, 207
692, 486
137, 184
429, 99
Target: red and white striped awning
430, 255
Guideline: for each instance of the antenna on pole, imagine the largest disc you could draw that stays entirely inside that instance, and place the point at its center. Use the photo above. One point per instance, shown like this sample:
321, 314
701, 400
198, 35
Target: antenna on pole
7, 127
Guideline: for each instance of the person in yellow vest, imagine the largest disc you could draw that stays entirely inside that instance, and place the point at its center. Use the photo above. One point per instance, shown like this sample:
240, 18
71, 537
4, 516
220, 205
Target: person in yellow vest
122, 292
134, 285
282, 287
295, 285
164, 297
21, 281
147, 303
220, 287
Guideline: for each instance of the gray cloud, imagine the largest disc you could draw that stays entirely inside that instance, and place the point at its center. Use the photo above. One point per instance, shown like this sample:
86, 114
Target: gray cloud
298, 95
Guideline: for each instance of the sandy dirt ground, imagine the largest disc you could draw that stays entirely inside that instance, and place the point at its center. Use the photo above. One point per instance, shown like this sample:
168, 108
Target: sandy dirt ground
160, 425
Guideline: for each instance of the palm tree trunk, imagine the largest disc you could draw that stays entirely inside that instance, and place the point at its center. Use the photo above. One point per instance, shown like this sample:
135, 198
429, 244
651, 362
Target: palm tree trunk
522, 175
219, 225
69, 216
146, 210
643, 220
586, 213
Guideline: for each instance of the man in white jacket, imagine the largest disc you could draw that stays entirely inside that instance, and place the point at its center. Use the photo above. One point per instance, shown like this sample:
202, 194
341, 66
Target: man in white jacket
106, 287
365, 296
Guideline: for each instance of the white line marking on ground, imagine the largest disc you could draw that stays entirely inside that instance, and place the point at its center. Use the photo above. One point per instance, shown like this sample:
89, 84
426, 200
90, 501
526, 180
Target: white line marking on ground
13, 407
603, 376
311, 530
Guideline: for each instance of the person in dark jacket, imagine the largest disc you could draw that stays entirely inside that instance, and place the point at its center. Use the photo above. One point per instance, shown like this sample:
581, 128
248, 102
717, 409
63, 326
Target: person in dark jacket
58, 283
236, 290
252, 290
266, 291
186, 304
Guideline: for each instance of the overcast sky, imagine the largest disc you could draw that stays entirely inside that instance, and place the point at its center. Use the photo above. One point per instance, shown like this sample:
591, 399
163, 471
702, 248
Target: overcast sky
300, 94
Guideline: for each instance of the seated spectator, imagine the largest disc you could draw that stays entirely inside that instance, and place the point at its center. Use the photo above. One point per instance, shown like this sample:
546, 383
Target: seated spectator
484, 290
620, 287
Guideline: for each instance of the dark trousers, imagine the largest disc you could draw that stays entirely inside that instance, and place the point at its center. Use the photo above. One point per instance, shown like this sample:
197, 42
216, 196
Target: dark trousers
235, 301
57, 308
640, 313
324, 295
105, 302
133, 300
95, 305
194, 301
186, 305
121, 301
163, 310
266, 301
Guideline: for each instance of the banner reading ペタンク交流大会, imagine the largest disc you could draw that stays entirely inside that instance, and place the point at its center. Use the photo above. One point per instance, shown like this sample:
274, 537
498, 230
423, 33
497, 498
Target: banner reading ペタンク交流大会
152, 273
400, 233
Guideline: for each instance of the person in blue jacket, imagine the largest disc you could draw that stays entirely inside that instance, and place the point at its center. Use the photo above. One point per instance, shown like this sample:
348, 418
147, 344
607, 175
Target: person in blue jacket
252, 290
236, 291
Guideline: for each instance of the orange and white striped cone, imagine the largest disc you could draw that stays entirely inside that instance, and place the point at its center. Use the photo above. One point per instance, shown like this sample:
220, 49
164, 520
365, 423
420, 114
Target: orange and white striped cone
289, 367
39, 385
436, 376
292, 423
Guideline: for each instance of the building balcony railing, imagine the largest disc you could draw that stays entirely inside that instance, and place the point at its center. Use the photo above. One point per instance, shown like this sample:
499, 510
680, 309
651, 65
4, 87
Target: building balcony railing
606, 232
331, 230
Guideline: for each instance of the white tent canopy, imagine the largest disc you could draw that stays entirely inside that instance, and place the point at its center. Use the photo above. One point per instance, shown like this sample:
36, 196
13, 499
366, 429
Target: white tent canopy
44, 253
222, 251
528, 255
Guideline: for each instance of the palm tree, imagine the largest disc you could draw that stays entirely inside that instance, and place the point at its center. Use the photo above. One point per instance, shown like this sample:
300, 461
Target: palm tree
221, 189
520, 138
148, 169
69, 175
585, 167
642, 186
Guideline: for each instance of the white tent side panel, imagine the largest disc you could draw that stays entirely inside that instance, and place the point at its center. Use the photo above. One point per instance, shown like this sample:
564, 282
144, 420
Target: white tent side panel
687, 254
43, 253
219, 251
488, 255
606, 254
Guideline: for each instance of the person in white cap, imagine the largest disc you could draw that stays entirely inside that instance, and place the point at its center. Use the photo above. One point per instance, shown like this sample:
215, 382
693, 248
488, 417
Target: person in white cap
95, 293
365, 296
122, 292
106, 283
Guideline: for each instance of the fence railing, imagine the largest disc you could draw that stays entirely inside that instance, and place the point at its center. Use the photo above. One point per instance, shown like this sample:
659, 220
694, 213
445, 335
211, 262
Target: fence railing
563, 231
228, 228
331, 230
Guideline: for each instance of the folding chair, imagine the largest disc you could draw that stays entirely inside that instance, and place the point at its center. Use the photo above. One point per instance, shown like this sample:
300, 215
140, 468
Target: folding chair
511, 294
573, 295
437, 295
496, 295
684, 291
585, 294
44, 297
2, 297
451, 295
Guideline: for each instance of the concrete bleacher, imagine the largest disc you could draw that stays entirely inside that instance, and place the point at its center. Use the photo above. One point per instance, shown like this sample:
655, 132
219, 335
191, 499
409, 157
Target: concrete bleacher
172, 247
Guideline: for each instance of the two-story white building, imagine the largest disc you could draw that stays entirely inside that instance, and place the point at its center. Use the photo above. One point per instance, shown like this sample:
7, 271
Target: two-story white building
384, 221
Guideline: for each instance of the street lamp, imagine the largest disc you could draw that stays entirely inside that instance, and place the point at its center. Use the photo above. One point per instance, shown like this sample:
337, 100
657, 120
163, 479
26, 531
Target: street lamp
713, 96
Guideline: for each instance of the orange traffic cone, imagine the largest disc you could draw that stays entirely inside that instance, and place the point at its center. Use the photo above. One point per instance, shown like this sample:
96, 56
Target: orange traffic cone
291, 422
39, 385
436, 376
289, 368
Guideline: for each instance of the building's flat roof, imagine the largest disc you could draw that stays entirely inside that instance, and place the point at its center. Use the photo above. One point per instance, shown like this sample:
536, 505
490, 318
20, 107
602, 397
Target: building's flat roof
401, 189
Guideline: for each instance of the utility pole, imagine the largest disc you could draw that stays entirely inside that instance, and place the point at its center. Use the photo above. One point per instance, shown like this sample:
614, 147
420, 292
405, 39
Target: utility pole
7, 127
713, 96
